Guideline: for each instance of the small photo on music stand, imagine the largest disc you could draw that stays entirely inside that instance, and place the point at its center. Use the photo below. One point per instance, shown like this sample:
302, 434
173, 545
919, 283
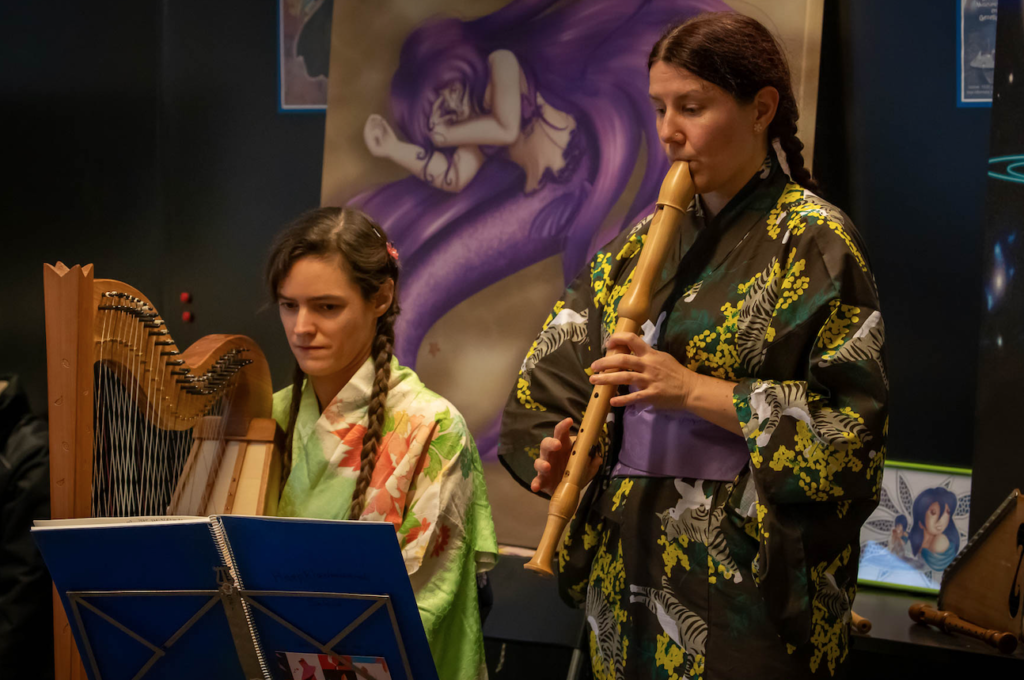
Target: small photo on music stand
298, 666
918, 528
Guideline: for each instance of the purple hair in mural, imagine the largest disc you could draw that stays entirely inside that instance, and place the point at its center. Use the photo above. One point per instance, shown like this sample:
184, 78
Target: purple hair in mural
522, 130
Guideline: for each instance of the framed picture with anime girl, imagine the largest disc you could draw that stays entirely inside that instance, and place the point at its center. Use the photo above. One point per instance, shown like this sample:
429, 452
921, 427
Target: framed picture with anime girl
919, 526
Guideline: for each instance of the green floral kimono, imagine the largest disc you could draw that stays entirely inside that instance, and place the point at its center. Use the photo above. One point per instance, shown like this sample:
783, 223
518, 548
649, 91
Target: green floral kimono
754, 577
427, 482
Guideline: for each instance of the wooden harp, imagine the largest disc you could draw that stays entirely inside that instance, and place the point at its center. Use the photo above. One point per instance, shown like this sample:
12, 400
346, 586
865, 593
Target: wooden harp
139, 427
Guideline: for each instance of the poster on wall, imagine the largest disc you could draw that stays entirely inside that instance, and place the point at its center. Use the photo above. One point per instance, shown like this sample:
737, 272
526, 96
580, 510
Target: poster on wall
976, 51
490, 225
304, 49
919, 526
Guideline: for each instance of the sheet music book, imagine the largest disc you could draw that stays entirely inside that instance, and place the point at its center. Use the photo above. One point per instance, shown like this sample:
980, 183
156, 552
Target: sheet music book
236, 597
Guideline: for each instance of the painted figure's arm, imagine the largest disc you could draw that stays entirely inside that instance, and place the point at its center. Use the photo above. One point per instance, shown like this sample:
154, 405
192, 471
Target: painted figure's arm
435, 169
500, 127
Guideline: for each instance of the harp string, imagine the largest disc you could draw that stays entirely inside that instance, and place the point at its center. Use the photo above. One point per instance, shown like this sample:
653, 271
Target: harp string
123, 508
148, 448
117, 425
150, 488
136, 456
151, 451
129, 471
122, 467
129, 445
156, 442
98, 432
109, 425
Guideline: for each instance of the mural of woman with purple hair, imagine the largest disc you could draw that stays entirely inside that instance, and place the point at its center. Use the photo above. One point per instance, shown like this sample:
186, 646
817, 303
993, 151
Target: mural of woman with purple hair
521, 131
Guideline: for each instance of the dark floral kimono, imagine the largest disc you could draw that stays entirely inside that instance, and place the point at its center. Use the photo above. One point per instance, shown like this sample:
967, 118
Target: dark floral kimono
753, 577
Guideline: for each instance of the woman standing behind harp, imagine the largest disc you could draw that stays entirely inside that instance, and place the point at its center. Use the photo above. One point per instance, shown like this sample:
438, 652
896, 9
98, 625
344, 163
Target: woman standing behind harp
719, 538
365, 439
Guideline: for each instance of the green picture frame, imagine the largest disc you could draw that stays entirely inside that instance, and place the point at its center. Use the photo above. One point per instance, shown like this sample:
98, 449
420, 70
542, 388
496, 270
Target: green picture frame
919, 526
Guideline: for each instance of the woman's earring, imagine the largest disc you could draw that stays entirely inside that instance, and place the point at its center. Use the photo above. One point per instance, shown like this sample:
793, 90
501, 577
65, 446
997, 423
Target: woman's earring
757, 127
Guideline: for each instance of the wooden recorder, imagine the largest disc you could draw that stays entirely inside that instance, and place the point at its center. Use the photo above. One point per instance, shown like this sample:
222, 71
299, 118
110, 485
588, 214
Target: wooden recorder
676, 193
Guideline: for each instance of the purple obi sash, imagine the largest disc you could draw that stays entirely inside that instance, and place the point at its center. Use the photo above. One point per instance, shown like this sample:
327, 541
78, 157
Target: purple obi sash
678, 444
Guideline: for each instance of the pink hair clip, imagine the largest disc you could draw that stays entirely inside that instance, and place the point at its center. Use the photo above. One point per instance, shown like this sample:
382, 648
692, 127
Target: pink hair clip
392, 251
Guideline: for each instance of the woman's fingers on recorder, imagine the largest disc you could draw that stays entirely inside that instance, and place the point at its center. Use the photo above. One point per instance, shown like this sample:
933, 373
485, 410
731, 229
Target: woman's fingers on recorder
550, 464
562, 431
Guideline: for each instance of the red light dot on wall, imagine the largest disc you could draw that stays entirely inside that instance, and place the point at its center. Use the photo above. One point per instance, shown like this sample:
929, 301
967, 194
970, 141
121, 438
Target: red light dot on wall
188, 317
186, 297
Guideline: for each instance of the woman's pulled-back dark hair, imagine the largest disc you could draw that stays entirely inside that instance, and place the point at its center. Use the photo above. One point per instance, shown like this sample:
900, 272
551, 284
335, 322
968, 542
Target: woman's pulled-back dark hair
741, 56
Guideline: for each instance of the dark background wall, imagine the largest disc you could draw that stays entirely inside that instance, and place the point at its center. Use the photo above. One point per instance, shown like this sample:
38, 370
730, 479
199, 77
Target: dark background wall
145, 138
79, 102
909, 167
234, 169
999, 466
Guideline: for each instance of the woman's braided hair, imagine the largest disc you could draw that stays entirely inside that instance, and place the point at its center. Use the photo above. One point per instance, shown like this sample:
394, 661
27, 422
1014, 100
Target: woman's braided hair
366, 256
739, 55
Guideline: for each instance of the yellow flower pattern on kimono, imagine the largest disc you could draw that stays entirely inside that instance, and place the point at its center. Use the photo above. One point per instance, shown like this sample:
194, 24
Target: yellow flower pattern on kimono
632, 247
816, 466
712, 352
831, 614
794, 285
522, 382
620, 495
836, 330
671, 658
802, 209
606, 616
673, 553
791, 195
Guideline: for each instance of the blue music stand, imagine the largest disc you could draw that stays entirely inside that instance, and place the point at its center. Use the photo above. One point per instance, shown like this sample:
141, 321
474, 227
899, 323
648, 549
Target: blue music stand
220, 597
